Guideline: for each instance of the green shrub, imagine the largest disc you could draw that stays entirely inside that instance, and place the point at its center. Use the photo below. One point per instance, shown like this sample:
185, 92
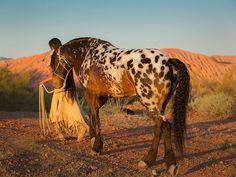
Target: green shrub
15, 94
214, 104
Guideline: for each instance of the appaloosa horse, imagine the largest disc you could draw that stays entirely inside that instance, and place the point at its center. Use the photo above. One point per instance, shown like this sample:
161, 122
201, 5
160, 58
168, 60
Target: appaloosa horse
107, 71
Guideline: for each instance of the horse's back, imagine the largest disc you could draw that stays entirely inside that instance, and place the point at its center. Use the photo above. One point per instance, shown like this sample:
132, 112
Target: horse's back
121, 72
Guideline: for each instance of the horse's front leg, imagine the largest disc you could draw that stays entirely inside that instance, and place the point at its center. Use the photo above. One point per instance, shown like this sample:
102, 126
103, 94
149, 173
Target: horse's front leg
151, 156
95, 135
94, 103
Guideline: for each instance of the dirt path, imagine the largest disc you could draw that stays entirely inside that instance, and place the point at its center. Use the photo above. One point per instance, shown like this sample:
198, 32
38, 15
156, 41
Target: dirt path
210, 149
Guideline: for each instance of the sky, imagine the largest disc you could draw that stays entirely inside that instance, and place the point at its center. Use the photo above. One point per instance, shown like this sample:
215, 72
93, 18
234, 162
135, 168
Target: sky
200, 26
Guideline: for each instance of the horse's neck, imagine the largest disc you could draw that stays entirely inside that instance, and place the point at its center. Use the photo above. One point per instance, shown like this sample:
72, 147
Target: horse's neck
80, 49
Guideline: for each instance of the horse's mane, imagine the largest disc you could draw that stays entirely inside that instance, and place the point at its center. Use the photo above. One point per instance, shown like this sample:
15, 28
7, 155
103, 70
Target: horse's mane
87, 39
70, 86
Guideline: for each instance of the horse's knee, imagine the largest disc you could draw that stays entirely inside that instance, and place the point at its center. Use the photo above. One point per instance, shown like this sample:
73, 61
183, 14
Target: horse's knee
166, 127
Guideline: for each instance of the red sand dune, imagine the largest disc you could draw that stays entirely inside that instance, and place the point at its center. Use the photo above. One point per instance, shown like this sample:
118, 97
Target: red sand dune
36, 65
200, 66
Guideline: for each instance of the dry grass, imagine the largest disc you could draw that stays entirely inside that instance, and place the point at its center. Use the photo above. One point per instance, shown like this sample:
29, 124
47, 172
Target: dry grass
214, 98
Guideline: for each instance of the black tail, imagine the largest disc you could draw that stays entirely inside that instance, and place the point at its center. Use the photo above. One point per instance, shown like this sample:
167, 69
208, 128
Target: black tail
180, 102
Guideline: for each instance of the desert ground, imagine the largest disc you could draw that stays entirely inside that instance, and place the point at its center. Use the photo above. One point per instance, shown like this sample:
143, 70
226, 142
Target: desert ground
210, 145
24, 151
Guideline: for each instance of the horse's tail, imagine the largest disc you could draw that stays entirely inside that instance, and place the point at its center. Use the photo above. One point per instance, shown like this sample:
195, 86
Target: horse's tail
180, 102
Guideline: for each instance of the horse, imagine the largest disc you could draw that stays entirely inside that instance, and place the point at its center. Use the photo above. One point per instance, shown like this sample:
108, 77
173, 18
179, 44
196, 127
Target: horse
107, 71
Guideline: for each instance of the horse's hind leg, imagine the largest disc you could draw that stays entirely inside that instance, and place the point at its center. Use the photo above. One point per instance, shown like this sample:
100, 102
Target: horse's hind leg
95, 103
169, 157
169, 153
156, 107
150, 158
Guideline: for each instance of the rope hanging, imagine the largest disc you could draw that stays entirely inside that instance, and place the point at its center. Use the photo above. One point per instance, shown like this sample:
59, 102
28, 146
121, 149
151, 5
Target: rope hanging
43, 117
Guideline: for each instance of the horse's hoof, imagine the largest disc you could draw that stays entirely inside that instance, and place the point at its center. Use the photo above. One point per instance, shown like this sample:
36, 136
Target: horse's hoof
173, 170
94, 153
96, 146
93, 141
61, 138
142, 164
79, 139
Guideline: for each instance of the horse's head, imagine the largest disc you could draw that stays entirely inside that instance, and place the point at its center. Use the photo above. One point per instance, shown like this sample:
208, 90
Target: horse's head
58, 64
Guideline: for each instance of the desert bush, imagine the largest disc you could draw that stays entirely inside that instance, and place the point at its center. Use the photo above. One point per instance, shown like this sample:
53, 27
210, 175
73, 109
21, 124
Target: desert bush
199, 89
214, 104
229, 84
114, 105
215, 98
15, 94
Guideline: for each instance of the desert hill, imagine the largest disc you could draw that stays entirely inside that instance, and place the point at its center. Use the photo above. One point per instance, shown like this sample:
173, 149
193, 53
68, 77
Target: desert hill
4, 58
200, 66
36, 65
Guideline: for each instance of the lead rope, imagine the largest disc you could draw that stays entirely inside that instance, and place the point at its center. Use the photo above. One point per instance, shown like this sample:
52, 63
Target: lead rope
43, 117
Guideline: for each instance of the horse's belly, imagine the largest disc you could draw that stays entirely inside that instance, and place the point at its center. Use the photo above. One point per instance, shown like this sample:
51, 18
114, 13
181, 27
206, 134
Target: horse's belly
118, 90
104, 84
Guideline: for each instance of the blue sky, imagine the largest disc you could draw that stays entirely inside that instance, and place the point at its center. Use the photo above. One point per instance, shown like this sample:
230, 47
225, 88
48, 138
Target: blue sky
202, 26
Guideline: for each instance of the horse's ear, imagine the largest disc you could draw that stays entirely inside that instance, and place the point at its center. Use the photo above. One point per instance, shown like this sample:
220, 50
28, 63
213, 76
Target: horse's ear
55, 43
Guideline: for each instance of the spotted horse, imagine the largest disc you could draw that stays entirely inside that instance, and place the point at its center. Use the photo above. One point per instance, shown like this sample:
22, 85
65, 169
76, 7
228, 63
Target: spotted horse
107, 71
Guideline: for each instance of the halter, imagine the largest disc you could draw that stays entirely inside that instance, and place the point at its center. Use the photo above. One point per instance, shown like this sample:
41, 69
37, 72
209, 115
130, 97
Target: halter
63, 64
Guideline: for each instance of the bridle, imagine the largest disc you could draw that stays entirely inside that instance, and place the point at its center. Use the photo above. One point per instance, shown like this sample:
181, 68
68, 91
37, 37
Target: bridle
62, 62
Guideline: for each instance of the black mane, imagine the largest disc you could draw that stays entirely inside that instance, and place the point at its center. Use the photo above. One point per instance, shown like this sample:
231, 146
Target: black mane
70, 86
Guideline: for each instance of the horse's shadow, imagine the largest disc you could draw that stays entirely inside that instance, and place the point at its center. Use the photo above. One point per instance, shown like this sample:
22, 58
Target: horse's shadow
207, 124
137, 131
143, 130
130, 146
210, 162
127, 133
